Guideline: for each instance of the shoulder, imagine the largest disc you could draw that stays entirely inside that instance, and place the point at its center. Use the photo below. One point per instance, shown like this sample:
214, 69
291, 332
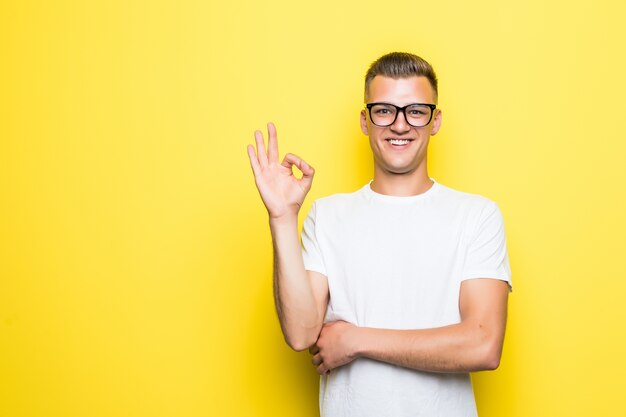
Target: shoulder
473, 203
338, 200
472, 209
336, 205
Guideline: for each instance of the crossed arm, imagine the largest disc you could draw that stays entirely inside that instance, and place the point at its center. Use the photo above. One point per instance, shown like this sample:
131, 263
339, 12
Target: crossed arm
474, 344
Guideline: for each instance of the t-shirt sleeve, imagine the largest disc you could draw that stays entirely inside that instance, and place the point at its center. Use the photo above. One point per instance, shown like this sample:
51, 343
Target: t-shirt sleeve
487, 255
311, 252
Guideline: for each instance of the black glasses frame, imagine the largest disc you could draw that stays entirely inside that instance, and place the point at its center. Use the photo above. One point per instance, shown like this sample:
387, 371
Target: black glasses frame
403, 110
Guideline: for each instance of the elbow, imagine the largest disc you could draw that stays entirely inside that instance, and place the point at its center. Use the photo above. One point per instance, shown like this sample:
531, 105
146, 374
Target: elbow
301, 343
490, 356
485, 347
300, 336
491, 363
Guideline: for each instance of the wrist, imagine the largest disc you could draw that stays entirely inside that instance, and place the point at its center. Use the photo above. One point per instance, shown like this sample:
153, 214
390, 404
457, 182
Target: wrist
284, 219
359, 344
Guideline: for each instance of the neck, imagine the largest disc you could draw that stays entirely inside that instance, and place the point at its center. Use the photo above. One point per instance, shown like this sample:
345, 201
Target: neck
401, 185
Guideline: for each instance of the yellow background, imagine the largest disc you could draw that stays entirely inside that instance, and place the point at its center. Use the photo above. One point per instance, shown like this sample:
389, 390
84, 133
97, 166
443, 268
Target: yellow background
135, 258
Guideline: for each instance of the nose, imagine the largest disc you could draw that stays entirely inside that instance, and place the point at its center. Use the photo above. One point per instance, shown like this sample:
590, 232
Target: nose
400, 125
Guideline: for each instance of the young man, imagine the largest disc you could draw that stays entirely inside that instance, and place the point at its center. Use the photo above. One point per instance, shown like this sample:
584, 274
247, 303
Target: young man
400, 289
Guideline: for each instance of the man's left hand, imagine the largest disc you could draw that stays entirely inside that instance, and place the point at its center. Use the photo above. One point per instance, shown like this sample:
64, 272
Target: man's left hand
336, 346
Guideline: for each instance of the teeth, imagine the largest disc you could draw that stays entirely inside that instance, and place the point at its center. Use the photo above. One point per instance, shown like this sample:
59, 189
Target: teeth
398, 142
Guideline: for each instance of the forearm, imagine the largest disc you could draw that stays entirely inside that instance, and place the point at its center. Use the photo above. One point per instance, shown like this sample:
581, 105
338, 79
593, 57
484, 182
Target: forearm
463, 347
295, 301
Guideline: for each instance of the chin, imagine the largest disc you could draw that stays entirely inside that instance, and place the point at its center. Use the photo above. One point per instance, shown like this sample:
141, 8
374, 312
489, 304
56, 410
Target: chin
399, 170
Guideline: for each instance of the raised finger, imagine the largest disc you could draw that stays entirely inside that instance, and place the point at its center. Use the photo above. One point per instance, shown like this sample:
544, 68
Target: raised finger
260, 147
272, 143
254, 162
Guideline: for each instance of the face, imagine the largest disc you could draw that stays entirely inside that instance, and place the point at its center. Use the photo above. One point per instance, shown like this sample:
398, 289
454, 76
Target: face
400, 158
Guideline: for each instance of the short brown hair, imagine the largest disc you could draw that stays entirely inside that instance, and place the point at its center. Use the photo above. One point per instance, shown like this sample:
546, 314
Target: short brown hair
401, 65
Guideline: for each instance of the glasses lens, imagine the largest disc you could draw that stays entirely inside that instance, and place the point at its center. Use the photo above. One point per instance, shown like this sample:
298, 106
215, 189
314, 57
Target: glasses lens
383, 114
418, 115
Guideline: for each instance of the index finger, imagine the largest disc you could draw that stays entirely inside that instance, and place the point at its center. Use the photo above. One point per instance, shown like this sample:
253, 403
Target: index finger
260, 146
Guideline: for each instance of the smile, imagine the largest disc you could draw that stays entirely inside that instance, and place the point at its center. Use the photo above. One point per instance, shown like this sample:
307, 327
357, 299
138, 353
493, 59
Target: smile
399, 142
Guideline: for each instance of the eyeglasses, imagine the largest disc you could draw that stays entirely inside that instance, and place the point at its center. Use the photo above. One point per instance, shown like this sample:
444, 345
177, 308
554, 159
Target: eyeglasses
416, 114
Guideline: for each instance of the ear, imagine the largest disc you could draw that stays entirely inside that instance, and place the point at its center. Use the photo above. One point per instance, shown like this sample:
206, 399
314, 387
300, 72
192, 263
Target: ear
364, 123
436, 122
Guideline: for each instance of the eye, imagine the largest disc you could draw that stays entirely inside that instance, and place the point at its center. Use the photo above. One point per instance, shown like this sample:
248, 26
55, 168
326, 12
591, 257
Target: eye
418, 111
383, 110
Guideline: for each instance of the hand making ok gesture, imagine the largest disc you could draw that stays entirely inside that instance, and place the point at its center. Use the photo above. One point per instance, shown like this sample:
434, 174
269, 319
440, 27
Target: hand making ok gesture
281, 191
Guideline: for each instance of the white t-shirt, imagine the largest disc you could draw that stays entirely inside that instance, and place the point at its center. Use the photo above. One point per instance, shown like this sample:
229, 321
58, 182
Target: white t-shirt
397, 263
